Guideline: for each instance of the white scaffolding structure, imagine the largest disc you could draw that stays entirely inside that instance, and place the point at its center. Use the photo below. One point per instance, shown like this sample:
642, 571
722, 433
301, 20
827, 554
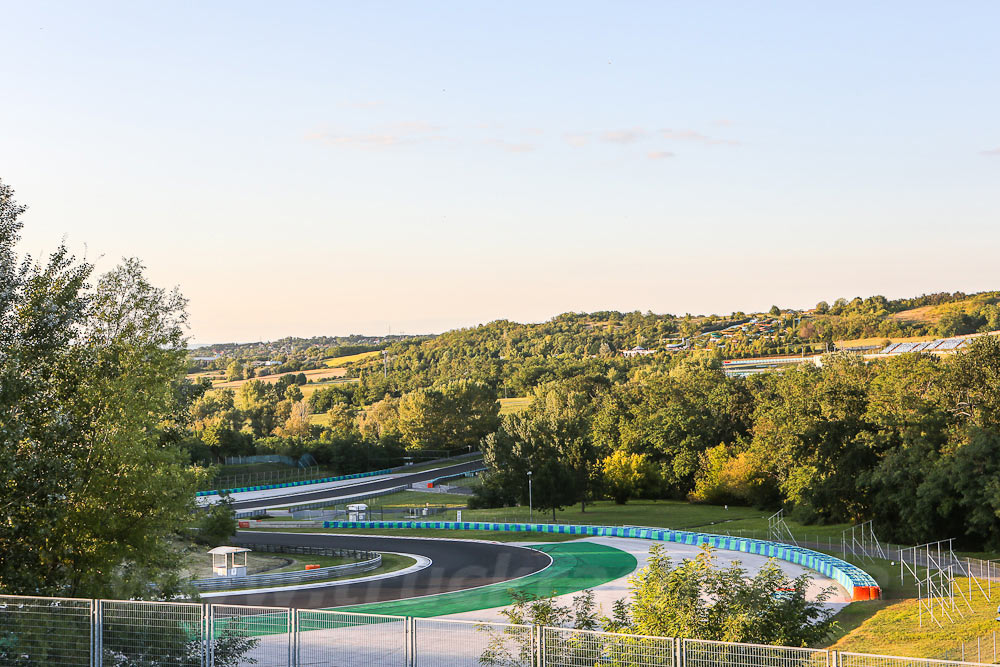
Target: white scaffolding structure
778, 530
861, 542
934, 567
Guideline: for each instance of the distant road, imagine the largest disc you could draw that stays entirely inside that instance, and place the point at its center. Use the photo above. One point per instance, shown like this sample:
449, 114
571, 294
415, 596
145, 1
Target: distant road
356, 489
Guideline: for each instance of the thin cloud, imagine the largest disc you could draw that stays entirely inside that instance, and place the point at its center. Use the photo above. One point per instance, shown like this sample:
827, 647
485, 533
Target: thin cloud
723, 122
366, 104
577, 138
511, 147
659, 155
691, 135
994, 152
623, 136
388, 136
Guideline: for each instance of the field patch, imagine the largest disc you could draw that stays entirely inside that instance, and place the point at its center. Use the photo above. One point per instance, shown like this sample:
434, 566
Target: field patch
337, 362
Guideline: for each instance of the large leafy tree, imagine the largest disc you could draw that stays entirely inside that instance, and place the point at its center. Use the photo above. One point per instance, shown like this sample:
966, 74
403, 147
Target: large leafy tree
93, 489
697, 599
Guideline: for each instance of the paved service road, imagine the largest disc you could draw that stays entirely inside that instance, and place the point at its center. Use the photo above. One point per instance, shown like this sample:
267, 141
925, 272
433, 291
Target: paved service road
456, 565
354, 489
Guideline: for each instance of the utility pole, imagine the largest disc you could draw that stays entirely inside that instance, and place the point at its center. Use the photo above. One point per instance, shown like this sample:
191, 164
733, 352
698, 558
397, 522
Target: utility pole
530, 510
385, 363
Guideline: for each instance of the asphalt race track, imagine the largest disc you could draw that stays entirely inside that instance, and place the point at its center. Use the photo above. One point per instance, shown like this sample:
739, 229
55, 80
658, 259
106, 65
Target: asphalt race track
356, 489
456, 565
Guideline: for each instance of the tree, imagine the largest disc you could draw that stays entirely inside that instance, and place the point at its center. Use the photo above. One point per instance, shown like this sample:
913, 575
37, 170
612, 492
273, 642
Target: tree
695, 599
627, 475
455, 416
217, 523
234, 371
89, 380
512, 647
523, 444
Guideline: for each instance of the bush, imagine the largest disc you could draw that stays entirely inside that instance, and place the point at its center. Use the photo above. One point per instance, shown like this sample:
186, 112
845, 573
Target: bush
218, 524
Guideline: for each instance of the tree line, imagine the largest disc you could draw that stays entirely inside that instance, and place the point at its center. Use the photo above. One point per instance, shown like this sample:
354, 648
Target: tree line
912, 442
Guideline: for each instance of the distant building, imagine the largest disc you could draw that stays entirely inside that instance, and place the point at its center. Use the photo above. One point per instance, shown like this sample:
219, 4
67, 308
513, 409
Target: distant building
637, 352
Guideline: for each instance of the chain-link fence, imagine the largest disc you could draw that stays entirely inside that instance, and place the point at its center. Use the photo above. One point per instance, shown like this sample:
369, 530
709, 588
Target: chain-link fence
361, 640
446, 643
704, 653
145, 634
261, 636
46, 631
62, 632
562, 647
846, 659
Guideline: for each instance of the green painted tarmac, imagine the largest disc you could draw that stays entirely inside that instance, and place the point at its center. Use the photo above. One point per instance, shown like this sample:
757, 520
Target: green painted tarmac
576, 566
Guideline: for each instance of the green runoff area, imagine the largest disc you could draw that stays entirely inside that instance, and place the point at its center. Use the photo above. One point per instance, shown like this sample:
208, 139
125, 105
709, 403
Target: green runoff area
575, 567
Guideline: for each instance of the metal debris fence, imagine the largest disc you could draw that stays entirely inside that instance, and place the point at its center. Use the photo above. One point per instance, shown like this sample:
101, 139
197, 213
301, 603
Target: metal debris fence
115, 633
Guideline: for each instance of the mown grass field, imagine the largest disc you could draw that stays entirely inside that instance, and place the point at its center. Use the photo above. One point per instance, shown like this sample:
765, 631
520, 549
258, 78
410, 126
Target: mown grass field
419, 499
511, 405
337, 362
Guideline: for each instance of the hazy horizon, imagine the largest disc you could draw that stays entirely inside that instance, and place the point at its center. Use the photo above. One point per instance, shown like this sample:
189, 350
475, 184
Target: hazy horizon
330, 169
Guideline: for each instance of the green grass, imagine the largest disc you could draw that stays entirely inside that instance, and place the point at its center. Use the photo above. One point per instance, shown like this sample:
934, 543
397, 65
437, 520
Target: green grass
575, 567
892, 627
300, 561
659, 513
420, 499
453, 461
337, 362
464, 481
509, 406
250, 468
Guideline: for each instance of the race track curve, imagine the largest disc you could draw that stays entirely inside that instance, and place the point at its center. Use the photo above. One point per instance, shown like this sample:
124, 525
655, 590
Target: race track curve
456, 565
355, 489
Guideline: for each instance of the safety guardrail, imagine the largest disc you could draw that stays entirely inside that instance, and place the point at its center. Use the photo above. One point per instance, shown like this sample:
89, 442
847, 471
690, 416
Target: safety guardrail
469, 473
318, 504
859, 584
372, 562
304, 482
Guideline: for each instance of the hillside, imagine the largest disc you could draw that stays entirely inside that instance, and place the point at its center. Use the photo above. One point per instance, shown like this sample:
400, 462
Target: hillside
516, 357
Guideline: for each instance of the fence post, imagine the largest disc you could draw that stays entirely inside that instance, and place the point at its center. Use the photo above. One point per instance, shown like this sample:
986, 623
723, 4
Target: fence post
95, 633
210, 613
409, 628
537, 637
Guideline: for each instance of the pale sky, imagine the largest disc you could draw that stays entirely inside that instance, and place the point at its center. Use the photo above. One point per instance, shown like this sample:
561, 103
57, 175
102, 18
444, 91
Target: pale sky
330, 168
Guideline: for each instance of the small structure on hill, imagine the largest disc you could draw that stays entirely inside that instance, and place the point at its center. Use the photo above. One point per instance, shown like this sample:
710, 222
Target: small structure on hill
229, 561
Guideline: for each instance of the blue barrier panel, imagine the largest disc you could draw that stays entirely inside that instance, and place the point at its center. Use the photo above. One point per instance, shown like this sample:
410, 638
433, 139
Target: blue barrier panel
860, 584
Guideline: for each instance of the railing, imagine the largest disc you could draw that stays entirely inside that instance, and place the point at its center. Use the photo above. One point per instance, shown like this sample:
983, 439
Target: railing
369, 561
287, 501
115, 633
289, 484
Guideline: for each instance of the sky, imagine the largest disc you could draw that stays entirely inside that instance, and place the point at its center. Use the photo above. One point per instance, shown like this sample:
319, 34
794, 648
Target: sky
327, 168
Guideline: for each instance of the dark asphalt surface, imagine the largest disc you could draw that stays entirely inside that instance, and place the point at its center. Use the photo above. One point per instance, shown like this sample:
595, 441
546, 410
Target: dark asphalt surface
357, 489
456, 565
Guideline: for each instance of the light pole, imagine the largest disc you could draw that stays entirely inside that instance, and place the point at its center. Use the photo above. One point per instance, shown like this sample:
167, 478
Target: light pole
530, 512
